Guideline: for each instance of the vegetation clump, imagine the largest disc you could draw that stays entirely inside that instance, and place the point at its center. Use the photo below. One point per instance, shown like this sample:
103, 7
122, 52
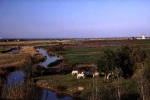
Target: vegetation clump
54, 63
125, 58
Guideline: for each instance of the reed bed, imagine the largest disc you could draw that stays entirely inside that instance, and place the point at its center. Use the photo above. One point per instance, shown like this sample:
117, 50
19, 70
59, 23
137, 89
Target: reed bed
17, 59
24, 91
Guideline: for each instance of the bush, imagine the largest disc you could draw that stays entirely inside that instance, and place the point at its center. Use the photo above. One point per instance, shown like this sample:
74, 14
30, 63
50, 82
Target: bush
39, 70
54, 63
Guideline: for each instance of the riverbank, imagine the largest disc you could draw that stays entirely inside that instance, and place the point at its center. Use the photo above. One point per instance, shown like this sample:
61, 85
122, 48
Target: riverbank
88, 88
44, 85
37, 69
65, 84
18, 59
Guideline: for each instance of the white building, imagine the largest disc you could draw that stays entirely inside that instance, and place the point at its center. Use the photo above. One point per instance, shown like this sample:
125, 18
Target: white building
143, 37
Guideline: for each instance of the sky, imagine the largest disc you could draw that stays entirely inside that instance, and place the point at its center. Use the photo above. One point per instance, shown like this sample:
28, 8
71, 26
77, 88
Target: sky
74, 18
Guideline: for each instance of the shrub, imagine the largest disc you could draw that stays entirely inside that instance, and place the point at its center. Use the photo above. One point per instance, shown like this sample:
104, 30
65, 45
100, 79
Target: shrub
54, 63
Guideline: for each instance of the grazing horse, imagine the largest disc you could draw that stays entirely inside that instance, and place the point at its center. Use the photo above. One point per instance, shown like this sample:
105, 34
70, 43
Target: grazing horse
74, 72
96, 74
109, 75
80, 75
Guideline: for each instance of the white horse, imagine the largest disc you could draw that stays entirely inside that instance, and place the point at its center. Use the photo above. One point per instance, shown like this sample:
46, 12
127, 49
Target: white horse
109, 75
74, 72
96, 74
80, 75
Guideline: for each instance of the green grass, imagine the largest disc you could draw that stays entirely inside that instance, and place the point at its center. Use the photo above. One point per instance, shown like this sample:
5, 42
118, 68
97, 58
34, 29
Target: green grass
146, 41
81, 55
68, 81
79, 58
70, 85
90, 55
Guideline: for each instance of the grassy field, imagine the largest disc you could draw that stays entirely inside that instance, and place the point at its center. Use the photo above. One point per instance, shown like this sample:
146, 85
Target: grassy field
90, 51
82, 55
70, 85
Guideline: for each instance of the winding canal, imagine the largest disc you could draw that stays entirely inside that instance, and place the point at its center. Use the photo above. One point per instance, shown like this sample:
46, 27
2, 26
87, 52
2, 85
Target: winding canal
49, 59
41, 94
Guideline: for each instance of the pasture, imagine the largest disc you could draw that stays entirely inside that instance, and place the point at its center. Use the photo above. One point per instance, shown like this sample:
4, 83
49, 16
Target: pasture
89, 51
69, 84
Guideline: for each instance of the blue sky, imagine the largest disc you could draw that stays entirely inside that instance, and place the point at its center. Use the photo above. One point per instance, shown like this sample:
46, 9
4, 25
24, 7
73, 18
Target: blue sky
74, 18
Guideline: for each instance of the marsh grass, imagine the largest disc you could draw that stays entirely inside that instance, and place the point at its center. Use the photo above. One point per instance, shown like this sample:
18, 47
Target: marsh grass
23, 91
85, 54
18, 59
69, 84
80, 55
4, 48
13, 92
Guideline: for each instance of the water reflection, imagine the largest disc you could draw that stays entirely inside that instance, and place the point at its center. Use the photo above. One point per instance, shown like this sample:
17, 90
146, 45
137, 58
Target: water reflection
11, 51
49, 95
14, 50
28, 91
15, 78
49, 58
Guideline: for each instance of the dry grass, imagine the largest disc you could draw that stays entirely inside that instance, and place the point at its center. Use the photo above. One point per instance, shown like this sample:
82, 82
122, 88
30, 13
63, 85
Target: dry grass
36, 42
7, 60
23, 42
25, 91
28, 50
14, 93
10, 60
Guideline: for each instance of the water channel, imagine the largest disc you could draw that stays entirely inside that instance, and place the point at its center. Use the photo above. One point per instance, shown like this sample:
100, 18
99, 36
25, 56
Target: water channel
48, 58
41, 94
14, 50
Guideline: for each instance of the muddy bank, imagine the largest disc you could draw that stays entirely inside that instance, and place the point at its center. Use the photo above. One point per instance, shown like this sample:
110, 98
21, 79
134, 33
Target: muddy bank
44, 84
